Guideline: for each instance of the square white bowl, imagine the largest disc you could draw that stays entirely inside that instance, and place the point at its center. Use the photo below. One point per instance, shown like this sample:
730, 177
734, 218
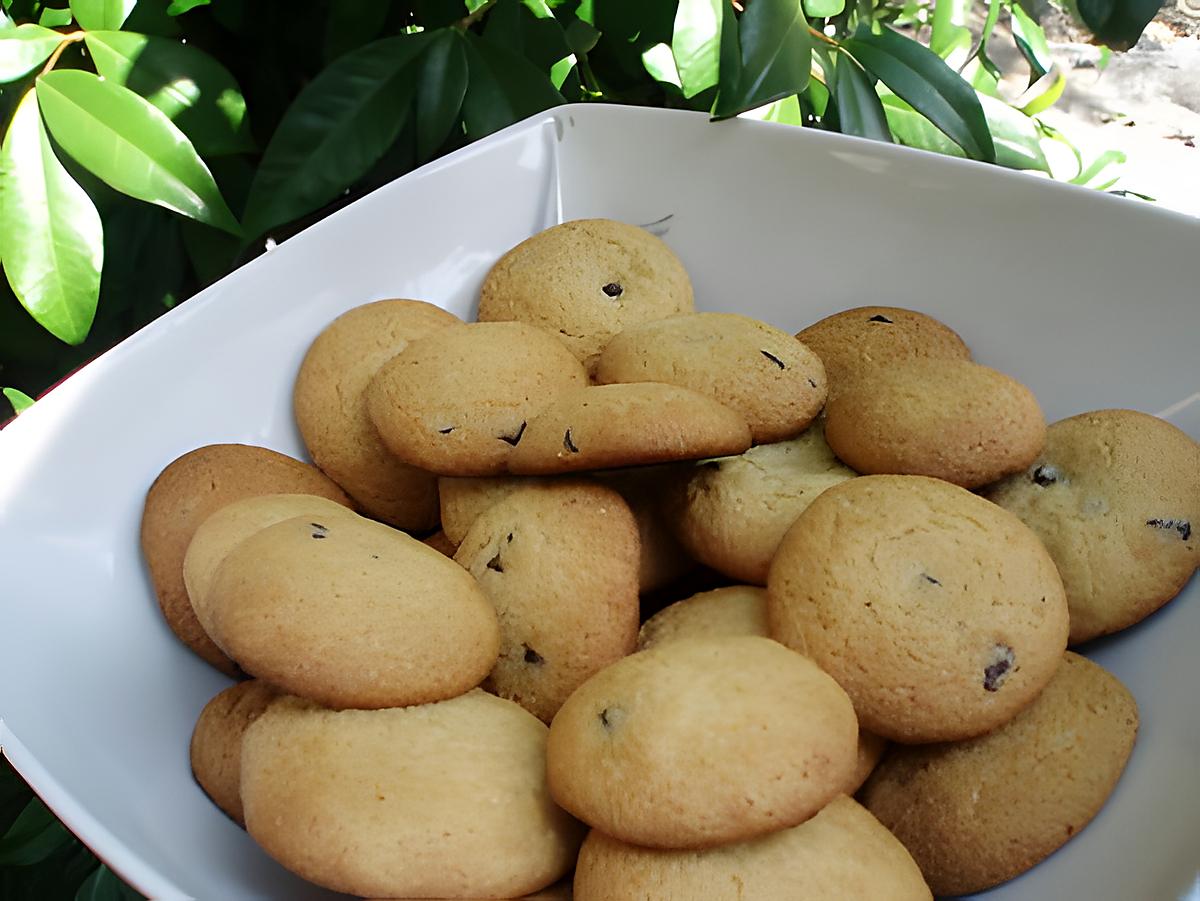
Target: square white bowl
1089, 299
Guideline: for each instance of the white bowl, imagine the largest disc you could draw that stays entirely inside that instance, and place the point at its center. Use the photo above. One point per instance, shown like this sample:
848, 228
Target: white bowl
1087, 298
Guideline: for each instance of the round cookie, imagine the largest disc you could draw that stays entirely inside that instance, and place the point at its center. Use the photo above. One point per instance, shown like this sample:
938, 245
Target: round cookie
702, 742
849, 341
775, 382
216, 746
977, 813
607, 426
440, 543
352, 613
1115, 497
585, 281
445, 800
949, 419
940, 614
186, 493
331, 409
464, 500
559, 561
456, 402
843, 852
233, 524
731, 513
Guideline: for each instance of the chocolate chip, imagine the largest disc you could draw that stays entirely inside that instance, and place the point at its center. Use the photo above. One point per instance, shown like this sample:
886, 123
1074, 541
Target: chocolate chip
569, 444
446, 431
1045, 475
811, 382
1182, 526
612, 289
319, 531
774, 359
930, 579
374, 556
495, 563
997, 671
515, 436
878, 317
610, 717
510, 536
532, 656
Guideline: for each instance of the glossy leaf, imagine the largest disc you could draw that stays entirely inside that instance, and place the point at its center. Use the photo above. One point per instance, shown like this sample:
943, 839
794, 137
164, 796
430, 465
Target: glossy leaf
949, 32
503, 88
441, 86
102, 15
581, 37
55, 18
20, 401
660, 63
130, 145
1031, 41
1044, 93
823, 9
334, 131
775, 53
179, 7
1098, 165
51, 238
928, 85
860, 111
786, 112
35, 835
696, 44
1117, 23
985, 35
24, 48
191, 88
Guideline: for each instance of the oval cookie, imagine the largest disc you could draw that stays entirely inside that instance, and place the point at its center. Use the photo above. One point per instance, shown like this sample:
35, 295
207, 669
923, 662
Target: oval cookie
585, 281
977, 813
635, 749
216, 746
444, 800
940, 614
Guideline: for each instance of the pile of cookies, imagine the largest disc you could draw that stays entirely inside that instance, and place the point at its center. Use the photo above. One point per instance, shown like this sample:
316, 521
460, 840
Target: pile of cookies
600, 582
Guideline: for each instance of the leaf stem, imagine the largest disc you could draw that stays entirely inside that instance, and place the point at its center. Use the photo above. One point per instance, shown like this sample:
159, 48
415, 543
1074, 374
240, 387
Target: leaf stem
586, 76
67, 39
467, 21
822, 36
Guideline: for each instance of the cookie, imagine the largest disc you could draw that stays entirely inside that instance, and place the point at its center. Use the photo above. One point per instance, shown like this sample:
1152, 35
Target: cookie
1115, 497
843, 852
731, 513
456, 402
331, 409
940, 614
445, 800
977, 813
949, 419
585, 281
607, 426
216, 746
186, 493
559, 562
440, 543
352, 613
702, 742
852, 340
234, 523
775, 382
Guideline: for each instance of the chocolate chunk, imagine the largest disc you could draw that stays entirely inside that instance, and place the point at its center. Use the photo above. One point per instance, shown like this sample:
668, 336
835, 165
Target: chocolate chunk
610, 717
811, 382
1045, 475
495, 563
319, 531
515, 436
774, 359
1182, 526
930, 579
569, 444
997, 671
612, 289
446, 431
878, 317
532, 656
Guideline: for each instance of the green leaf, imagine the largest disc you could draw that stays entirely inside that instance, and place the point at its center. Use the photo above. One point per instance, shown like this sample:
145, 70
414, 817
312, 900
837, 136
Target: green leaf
102, 15
660, 63
985, 35
51, 238
775, 57
441, 86
696, 44
20, 401
949, 32
1044, 93
859, 110
105, 885
351, 24
55, 18
24, 48
503, 88
130, 145
191, 88
581, 37
1099, 164
1031, 41
786, 112
1117, 23
179, 7
334, 131
35, 835
927, 84
823, 9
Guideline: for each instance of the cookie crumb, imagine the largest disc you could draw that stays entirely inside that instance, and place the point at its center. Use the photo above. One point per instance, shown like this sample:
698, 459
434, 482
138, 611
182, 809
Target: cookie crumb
997, 671
1182, 526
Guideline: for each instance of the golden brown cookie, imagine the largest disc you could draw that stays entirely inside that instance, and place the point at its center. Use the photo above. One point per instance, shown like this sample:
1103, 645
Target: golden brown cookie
607, 426
849, 341
559, 561
445, 800
977, 813
440, 543
841, 853
732, 512
331, 409
940, 614
585, 281
950, 419
702, 742
216, 747
185, 494
1115, 497
456, 402
352, 613
775, 382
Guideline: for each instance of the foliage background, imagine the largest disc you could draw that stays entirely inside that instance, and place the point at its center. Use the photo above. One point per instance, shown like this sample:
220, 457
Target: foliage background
151, 146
